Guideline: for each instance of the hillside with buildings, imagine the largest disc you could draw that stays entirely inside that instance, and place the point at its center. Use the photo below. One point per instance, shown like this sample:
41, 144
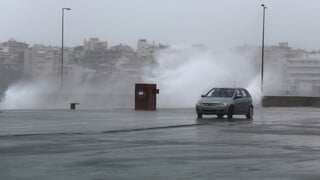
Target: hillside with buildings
289, 71
94, 59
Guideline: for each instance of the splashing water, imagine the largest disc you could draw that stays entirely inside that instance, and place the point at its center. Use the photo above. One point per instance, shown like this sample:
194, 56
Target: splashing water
183, 74
104, 91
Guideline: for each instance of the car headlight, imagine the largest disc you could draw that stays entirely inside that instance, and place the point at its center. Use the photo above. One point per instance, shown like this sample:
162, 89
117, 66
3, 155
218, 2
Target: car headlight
225, 104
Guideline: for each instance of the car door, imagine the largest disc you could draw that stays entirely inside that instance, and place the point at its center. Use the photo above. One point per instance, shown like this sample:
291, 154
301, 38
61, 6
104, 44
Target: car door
238, 102
245, 101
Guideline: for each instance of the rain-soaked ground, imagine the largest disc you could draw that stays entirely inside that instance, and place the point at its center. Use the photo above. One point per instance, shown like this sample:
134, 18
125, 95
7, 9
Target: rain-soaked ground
280, 143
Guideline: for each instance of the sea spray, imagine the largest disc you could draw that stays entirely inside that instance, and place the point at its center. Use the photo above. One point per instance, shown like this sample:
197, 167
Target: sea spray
184, 73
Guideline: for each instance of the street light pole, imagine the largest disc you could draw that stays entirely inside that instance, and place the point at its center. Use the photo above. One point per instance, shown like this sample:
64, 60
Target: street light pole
262, 54
62, 44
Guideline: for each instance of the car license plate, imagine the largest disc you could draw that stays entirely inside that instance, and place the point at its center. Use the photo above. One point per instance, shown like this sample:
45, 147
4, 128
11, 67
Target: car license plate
208, 108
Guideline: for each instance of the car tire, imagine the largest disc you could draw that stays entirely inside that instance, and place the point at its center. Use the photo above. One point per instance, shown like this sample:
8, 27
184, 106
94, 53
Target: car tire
249, 114
220, 116
230, 112
199, 115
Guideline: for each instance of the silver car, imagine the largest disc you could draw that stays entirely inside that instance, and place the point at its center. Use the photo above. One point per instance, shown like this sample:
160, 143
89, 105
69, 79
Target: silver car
225, 101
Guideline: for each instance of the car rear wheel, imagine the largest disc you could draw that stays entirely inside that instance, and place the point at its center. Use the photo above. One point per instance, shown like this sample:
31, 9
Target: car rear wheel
230, 112
199, 115
249, 114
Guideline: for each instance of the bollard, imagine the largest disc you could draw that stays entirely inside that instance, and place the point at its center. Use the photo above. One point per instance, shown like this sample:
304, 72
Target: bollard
73, 105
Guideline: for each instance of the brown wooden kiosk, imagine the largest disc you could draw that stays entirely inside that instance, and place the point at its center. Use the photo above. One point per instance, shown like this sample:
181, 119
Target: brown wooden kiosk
146, 96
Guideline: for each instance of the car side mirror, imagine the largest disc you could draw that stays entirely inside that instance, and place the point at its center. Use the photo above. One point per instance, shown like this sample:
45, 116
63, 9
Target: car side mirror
203, 95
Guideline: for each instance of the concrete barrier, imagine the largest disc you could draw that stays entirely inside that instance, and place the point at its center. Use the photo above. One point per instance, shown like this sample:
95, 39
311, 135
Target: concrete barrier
290, 101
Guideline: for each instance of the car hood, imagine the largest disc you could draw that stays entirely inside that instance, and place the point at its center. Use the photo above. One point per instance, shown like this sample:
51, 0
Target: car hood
215, 100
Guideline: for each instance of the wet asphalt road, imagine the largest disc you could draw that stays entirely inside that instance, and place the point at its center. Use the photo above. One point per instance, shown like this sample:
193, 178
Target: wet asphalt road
280, 143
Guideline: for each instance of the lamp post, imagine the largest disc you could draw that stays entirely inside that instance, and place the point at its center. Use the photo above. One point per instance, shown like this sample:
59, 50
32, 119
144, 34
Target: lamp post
62, 44
262, 47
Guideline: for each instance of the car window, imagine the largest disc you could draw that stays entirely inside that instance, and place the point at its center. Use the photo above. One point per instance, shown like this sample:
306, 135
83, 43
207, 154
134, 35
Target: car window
248, 94
220, 92
244, 93
238, 93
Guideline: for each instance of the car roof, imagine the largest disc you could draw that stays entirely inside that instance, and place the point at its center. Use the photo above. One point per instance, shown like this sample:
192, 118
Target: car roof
227, 88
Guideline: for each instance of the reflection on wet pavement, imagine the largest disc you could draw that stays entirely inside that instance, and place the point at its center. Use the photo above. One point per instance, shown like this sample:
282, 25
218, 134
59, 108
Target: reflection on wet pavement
280, 143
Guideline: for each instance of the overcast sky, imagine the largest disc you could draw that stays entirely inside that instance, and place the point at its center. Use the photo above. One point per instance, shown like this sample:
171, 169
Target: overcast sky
217, 23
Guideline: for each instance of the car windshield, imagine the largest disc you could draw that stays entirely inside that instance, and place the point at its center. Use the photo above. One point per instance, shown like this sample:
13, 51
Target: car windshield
220, 92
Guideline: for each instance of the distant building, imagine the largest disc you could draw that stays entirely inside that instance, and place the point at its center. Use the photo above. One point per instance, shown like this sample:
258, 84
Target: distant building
283, 45
122, 48
292, 71
5, 56
16, 50
78, 54
147, 50
12, 59
94, 44
304, 74
15, 46
13, 53
68, 60
40, 60
46, 60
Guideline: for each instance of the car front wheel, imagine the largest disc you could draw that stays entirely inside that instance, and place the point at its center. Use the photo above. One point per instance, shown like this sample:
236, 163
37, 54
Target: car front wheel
249, 114
230, 112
